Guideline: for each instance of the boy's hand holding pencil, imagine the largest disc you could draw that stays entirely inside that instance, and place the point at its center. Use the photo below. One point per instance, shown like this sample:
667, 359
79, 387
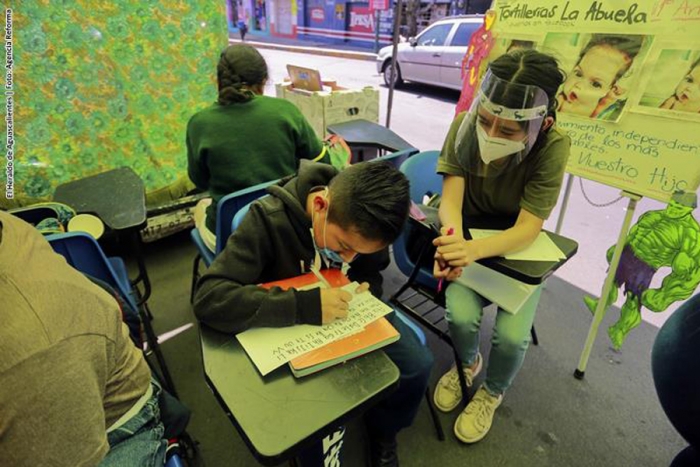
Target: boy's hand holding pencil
335, 302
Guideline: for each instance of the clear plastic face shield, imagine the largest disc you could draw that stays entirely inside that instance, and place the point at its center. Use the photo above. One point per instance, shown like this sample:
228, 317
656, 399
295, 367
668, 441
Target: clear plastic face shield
501, 127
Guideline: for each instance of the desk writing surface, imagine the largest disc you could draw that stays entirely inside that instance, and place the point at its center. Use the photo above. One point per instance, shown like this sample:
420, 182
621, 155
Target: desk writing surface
278, 415
533, 272
529, 272
365, 133
117, 197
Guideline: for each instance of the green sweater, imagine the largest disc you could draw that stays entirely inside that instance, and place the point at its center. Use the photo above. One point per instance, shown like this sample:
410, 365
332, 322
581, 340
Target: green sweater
233, 147
533, 185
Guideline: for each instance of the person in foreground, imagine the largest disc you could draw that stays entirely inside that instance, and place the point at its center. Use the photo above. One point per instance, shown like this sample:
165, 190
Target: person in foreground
676, 370
502, 158
245, 138
75, 389
320, 218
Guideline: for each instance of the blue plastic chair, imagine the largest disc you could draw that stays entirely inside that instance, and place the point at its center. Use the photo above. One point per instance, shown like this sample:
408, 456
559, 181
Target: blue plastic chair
396, 158
82, 252
420, 171
238, 218
227, 208
34, 214
174, 461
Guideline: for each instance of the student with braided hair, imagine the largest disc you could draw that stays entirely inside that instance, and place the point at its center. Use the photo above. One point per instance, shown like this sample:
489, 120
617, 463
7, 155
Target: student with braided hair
245, 138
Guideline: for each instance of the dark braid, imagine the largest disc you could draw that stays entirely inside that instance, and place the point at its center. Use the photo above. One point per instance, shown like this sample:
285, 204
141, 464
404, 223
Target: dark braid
240, 67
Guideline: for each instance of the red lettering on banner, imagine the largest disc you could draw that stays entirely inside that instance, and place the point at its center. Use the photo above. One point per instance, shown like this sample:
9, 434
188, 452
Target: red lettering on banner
361, 19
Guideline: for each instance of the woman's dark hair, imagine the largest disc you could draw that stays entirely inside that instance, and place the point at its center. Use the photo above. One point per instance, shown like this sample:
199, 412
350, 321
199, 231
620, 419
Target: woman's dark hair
626, 44
526, 67
371, 198
240, 67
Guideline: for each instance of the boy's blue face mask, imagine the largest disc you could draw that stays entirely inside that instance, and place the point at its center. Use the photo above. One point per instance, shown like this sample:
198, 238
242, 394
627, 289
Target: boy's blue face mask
329, 256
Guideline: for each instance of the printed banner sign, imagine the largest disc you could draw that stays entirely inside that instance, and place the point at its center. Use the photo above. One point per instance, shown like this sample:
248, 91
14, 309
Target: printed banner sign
378, 4
631, 99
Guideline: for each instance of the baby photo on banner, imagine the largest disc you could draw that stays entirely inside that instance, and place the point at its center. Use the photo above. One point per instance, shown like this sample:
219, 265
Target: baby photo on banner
673, 90
601, 71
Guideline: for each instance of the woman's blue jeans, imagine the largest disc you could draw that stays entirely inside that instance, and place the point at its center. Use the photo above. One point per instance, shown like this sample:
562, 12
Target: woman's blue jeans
511, 334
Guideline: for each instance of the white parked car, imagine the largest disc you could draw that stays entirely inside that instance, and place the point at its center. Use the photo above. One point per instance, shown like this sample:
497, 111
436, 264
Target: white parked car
435, 55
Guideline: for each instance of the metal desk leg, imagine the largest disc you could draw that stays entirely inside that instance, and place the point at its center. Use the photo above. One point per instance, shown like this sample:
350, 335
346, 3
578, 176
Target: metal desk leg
154, 347
462, 379
143, 273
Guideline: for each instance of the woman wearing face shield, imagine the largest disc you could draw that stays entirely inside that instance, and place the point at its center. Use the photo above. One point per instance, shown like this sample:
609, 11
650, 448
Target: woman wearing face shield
503, 158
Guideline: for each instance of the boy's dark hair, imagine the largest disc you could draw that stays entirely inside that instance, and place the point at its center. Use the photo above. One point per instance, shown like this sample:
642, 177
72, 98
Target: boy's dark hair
370, 198
240, 67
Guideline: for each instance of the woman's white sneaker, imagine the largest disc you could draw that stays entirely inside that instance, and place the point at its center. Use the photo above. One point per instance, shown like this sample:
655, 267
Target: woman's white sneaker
475, 421
448, 392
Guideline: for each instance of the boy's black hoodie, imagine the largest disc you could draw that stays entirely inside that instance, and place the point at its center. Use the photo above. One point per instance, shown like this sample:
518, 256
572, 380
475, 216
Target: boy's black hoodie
273, 242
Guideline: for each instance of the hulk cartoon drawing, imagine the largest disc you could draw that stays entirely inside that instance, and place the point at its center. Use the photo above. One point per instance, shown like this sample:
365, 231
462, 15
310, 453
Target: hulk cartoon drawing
666, 238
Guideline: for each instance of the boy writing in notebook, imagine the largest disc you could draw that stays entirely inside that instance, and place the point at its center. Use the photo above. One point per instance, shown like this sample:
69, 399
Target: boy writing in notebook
343, 219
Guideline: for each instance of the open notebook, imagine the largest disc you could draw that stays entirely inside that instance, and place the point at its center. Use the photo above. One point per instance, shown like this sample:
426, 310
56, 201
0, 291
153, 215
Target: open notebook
270, 348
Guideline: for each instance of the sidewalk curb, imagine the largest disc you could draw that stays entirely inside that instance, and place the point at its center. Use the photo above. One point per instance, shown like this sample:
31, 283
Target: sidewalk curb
310, 50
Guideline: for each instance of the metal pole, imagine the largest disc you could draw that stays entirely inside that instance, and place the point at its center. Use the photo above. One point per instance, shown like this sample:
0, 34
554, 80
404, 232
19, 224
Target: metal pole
395, 44
377, 14
564, 203
607, 286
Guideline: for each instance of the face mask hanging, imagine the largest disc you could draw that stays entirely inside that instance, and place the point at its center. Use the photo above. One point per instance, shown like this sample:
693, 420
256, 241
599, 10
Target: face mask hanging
328, 256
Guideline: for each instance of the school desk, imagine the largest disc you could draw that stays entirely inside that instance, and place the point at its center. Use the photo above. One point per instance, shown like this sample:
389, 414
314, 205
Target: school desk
529, 272
279, 416
118, 198
365, 138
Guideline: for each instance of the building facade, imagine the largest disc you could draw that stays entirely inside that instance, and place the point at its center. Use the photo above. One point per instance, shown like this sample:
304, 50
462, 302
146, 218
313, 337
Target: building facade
349, 22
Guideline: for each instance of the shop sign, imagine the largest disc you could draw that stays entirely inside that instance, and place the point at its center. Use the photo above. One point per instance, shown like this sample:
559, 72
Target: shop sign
318, 15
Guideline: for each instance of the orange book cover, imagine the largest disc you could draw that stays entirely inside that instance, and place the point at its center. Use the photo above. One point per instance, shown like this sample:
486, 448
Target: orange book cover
334, 277
376, 335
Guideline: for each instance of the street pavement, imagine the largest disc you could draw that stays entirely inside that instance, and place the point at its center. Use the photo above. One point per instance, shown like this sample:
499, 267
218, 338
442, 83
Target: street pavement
422, 115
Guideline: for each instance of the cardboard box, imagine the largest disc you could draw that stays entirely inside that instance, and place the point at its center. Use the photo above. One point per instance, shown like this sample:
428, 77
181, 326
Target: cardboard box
323, 108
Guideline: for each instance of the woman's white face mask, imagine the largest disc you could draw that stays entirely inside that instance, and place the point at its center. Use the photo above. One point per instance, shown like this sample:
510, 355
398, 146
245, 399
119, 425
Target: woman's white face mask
492, 148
